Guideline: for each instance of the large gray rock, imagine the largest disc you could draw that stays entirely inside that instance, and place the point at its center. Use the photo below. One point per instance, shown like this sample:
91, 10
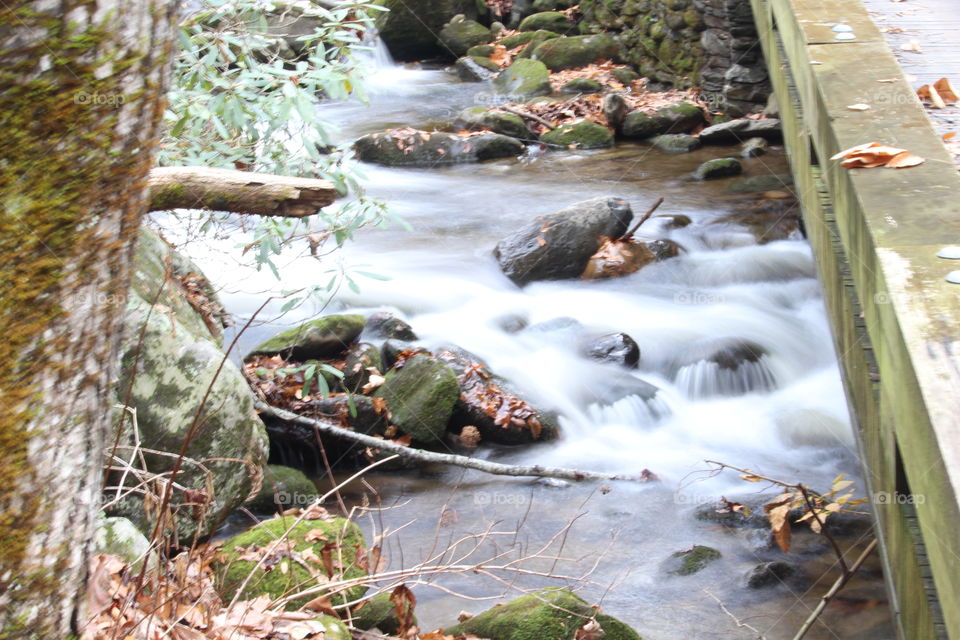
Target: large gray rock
428, 149
324, 337
718, 168
524, 79
559, 245
742, 130
678, 118
420, 397
476, 68
165, 377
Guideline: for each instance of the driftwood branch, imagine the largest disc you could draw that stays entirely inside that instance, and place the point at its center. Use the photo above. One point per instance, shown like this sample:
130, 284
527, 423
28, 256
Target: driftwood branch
629, 234
528, 116
262, 194
332, 429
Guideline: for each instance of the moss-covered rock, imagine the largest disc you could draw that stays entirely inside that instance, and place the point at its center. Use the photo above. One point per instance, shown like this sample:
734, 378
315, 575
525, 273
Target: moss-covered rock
550, 614
282, 575
459, 35
583, 134
678, 118
284, 485
508, 124
548, 21
523, 79
480, 50
120, 537
552, 5
317, 339
526, 37
420, 397
476, 68
410, 27
718, 168
360, 359
576, 51
582, 85
168, 361
675, 142
625, 76
428, 149
692, 560
383, 325
378, 612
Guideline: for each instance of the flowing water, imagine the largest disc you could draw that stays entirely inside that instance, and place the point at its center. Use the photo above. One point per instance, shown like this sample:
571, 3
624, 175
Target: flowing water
782, 412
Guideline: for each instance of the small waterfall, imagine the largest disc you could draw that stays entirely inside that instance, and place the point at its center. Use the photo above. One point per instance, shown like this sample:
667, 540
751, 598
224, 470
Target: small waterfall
705, 379
374, 54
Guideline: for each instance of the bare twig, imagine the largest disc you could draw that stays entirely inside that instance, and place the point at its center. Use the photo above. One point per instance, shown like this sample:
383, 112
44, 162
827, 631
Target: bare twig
528, 116
629, 234
736, 620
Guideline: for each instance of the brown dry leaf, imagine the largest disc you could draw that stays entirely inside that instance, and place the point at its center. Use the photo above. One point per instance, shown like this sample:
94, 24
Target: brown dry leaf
590, 631
946, 90
904, 160
949, 135
926, 93
373, 382
316, 535
404, 603
316, 512
470, 436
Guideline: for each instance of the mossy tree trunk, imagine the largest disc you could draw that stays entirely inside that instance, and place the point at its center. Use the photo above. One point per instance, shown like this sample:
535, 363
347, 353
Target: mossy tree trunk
81, 95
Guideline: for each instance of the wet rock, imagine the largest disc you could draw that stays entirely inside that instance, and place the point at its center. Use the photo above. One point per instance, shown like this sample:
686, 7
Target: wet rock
512, 323
319, 339
390, 350
526, 37
459, 35
476, 68
718, 168
410, 27
679, 118
549, 614
675, 142
615, 109
754, 147
769, 574
383, 325
692, 560
480, 50
616, 348
420, 397
559, 245
422, 148
583, 134
502, 122
283, 486
582, 85
547, 21
604, 386
576, 51
360, 358
761, 183
524, 78
674, 220
769, 219
741, 130
715, 367
663, 249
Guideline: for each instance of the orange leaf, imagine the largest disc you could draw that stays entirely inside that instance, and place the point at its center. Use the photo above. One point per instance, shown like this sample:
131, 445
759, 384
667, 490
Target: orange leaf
904, 160
858, 148
946, 90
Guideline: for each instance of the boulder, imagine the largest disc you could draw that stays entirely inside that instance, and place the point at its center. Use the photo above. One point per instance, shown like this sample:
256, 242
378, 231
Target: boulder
476, 68
552, 5
280, 575
582, 85
582, 134
502, 122
675, 142
524, 79
753, 147
678, 118
360, 358
615, 108
457, 36
741, 130
549, 614
481, 50
176, 376
383, 325
547, 21
718, 168
527, 37
120, 537
420, 397
692, 560
283, 486
559, 245
410, 27
618, 348
768, 574
576, 51
722, 366
625, 76
319, 339
427, 149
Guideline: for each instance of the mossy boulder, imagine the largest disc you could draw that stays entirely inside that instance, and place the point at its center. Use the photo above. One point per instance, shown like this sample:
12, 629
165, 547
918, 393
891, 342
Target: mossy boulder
675, 142
692, 560
378, 612
317, 339
410, 27
120, 537
549, 614
583, 134
480, 50
552, 5
168, 361
383, 325
476, 68
420, 397
508, 124
337, 539
734, 131
576, 51
582, 85
546, 21
539, 37
428, 149
625, 76
718, 168
526, 37
284, 485
678, 118
524, 79
360, 359
457, 36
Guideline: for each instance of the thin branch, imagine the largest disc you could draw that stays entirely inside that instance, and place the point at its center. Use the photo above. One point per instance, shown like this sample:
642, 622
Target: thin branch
736, 620
629, 234
528, 116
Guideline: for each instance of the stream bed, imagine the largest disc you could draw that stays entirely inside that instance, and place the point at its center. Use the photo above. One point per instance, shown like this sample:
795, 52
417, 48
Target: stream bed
782, 414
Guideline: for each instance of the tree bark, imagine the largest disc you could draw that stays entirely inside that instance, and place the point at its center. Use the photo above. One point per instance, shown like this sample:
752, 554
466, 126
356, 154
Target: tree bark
80, 110
262, 194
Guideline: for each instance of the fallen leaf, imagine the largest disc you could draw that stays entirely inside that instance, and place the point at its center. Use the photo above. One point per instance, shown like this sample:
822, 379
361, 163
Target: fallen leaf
946, 90
949, 135
904, 160
858, 107
926, 93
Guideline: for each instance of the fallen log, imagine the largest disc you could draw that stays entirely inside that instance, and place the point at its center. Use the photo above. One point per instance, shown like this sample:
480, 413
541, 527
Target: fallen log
433, 457
263, 194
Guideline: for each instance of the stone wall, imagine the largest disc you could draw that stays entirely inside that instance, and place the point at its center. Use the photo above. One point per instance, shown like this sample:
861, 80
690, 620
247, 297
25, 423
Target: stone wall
711, 44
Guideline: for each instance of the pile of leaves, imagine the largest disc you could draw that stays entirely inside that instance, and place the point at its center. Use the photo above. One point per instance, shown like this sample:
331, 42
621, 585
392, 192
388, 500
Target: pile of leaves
873, 154
506, 410
602, 72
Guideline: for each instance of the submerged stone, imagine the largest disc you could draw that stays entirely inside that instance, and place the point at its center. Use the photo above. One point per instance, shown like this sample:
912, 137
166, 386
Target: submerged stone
692, 560
718, 168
